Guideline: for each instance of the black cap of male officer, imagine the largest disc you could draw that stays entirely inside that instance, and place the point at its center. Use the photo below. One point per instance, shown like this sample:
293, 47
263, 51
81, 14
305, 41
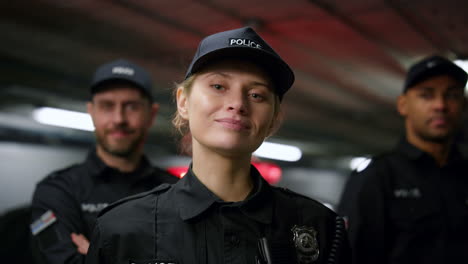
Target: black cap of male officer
122, 70
123, 111
434, 66
432, 104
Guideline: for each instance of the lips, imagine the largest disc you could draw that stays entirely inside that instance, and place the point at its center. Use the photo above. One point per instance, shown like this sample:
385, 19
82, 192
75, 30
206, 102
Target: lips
439, 121
119, 133
234, 124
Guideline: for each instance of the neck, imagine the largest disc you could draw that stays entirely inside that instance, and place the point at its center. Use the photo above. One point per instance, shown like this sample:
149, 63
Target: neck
123, 164
227, 177
438, 150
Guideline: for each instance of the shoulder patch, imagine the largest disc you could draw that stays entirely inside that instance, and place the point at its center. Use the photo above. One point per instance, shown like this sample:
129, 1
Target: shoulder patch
44, 221
156, 190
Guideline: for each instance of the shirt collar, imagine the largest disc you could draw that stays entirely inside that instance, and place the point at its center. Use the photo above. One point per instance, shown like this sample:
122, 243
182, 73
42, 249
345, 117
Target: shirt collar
196, 198
98, 168
414, 153
409, 150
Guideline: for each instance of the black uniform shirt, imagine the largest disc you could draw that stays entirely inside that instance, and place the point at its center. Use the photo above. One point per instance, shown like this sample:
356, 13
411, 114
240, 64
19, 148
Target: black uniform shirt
76, 195
404, 208
187, 223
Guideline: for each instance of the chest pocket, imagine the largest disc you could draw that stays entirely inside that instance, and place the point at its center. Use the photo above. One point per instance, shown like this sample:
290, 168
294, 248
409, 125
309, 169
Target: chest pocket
89, 213
416, 214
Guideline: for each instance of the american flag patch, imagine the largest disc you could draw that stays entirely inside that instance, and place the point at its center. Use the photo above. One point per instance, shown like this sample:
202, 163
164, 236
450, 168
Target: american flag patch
47, 219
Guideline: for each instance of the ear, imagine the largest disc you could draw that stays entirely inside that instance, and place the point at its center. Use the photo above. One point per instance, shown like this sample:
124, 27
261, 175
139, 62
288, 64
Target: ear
154, 112
402, 105
89, 107
276, 123
182, 102
90, 110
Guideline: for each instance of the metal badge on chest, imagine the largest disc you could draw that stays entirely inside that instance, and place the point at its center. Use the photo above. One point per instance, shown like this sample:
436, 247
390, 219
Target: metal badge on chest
306, 244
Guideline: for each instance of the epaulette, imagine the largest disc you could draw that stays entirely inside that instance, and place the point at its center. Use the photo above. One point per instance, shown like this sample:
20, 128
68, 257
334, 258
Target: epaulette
156, 190
291, 192
61, 171
294, 194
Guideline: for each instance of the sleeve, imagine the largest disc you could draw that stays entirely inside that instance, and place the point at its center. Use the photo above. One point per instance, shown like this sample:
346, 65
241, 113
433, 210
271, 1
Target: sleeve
363, 206
54, 242
95, 255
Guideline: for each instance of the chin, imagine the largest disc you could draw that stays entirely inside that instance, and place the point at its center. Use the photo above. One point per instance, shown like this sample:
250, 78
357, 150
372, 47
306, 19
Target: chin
234, 149
439, 137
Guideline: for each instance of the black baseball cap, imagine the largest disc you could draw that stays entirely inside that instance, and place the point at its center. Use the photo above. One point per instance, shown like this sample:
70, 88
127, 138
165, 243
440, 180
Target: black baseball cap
123, 70
434, 66
243, 43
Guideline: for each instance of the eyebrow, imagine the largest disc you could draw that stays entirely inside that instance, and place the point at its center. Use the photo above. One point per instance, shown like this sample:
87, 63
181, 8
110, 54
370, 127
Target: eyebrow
456, 87
126, 101
217, 73
222, 74
255, 83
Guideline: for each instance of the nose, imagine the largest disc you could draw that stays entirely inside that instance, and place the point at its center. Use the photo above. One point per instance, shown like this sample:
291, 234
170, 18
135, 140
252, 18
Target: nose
440, 103
237, 103
118, 115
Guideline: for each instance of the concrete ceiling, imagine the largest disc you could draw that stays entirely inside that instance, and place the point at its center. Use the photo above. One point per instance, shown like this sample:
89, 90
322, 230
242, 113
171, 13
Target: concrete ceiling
349, 57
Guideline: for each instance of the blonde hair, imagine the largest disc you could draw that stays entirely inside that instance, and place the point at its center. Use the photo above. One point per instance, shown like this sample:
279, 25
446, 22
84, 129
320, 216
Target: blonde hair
180, 124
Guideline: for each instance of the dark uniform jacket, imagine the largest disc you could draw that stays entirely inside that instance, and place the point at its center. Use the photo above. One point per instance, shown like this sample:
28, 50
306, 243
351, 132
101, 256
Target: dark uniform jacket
186, 223
404, 208
76, 194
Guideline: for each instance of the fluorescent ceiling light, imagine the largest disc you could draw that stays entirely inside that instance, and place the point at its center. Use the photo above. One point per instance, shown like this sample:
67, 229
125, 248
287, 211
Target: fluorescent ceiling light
63, 118
359, 163
278, 152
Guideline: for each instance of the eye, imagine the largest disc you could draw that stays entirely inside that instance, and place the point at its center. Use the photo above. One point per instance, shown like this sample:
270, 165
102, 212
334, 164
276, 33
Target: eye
453, 95
425, 95
217, 86
257, 96
105, 106
134, 106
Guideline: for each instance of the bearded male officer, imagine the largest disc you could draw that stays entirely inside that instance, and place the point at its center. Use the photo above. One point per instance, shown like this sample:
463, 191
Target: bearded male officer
66, 203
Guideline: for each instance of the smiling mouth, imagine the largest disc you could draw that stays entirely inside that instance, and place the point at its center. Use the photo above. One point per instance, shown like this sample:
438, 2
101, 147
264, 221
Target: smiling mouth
120, 133
439, 121
233, 124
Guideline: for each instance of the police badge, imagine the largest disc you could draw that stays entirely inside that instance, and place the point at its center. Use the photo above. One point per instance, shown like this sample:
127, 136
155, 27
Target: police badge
306, 244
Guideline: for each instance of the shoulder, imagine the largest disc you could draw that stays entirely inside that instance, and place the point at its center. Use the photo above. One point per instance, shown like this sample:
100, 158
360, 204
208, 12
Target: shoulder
59, 187
302, 202
133, 214
378, 166
378, 161
134, 203
162, 176
65, 176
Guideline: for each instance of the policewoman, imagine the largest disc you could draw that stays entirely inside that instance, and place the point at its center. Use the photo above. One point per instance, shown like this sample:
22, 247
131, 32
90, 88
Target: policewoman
223, 211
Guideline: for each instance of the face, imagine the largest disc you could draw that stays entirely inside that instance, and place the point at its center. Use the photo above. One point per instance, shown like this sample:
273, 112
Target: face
230, 108
433, 109
122, 117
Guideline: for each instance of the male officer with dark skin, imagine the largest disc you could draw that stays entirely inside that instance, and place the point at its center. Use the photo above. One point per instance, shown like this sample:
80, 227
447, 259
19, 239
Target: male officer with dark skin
66, 203
411, 204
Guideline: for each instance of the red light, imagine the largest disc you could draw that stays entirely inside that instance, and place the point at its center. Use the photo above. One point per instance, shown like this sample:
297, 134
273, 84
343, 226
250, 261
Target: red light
179, 172
269, 171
